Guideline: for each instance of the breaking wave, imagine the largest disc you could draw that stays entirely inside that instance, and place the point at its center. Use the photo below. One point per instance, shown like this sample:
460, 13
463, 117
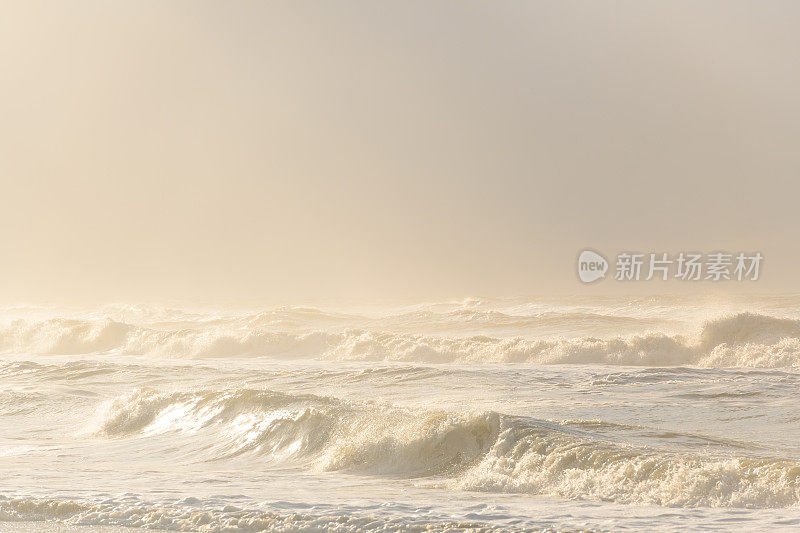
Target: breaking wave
746, 339
486, 451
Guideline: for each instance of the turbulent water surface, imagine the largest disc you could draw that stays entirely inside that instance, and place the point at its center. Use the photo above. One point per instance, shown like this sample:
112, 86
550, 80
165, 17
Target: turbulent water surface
571, 414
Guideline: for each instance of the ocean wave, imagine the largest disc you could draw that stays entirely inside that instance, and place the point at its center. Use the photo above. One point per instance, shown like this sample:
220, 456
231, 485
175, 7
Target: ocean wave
61, 336
535, 462
485, 451
191, 515
747, 340
331, 434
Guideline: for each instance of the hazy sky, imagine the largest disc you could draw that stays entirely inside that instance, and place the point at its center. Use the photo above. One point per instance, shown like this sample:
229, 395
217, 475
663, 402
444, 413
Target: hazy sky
275, 150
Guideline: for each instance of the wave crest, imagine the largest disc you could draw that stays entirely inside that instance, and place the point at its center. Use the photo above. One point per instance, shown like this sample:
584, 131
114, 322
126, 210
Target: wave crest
739, 340
486, 451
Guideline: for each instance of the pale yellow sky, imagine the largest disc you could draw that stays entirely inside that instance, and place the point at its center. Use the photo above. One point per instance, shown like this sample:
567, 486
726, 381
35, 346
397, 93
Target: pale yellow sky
276, 150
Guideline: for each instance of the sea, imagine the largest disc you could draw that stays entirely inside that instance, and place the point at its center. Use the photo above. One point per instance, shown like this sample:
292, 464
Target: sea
585, 413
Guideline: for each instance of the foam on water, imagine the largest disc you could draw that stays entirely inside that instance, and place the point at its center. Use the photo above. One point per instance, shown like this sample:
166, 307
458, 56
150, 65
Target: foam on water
745, 339
648, 414
228, 519
479, 451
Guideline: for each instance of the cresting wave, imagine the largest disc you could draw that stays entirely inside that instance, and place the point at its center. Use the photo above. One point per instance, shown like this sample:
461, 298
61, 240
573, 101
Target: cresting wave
747, 340
485, 451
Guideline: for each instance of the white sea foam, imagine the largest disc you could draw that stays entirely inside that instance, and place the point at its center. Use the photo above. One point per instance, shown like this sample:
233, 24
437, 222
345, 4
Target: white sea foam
743, 339
479, 451
310, 418
228, 519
